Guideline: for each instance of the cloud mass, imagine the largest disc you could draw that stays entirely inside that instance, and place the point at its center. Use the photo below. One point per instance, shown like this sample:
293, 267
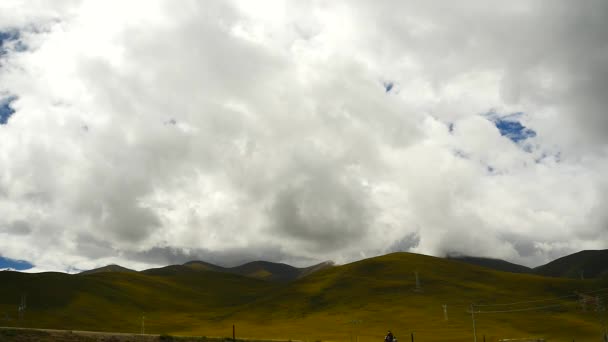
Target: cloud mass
148, 133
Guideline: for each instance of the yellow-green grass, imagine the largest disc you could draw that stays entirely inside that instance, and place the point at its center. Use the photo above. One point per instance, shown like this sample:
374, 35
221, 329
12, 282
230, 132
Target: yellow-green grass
361, 299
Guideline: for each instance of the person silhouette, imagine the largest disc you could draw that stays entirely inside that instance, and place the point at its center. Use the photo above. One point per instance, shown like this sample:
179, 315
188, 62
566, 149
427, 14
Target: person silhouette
389, 337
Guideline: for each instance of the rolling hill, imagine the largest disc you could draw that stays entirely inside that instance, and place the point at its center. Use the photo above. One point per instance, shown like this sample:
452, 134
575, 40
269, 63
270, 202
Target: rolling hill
363, 299
588, 264
264, 270
276, 271
585, 264
109, 268
495, 264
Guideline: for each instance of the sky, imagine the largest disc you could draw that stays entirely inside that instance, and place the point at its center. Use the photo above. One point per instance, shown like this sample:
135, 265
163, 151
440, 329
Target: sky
147, 133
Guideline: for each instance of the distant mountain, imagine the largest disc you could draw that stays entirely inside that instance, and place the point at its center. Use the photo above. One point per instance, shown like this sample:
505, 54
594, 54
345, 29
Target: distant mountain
267, 271
592, 264
203, 266
495, 264
589, 264
189, 267
314, 268
264, 270
170, 270
109, 268
276, 271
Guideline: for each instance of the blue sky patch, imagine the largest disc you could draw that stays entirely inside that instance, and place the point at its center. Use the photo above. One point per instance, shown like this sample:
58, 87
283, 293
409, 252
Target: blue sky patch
18, 265
7, 36
388, 86
6, 111
513, 130
510, 126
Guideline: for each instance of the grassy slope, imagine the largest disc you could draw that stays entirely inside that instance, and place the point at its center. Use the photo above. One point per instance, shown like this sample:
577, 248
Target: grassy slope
263, 270
116, 301
109, 268
495, 264
379, 292
593, 263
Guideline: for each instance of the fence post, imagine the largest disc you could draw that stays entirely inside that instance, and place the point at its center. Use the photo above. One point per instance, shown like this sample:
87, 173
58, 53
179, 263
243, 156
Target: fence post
233, 334
412, 337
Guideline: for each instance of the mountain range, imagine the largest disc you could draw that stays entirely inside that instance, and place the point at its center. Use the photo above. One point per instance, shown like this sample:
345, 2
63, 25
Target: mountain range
407, 293
589, 263
263, 270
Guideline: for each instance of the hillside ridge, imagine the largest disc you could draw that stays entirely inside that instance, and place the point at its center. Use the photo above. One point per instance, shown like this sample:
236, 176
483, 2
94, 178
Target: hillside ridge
265, 270
586, 263
583, 264
379, 292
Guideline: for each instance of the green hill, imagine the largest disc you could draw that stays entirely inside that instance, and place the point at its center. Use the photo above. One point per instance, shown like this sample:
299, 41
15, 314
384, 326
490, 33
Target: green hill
267, 271
588, 264
585, 264
264, 270
495, 264
109, 268
380, 293
361, 299
276, 271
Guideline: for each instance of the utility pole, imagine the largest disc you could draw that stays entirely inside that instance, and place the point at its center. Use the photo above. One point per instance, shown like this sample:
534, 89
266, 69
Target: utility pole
445, 312
600, 308
418, 287
22, 307
474, 327
354, 331
143, 323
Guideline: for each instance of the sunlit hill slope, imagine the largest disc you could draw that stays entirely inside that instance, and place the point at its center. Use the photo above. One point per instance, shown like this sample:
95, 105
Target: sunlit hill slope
361, 299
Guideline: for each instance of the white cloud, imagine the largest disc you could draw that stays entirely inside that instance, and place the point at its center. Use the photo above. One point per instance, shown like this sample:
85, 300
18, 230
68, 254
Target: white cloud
149, 133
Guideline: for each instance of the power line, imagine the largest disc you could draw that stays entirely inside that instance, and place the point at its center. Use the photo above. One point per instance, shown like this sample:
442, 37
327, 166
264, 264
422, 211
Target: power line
524, 309
598, 298
534, 308
541, 300
528, 301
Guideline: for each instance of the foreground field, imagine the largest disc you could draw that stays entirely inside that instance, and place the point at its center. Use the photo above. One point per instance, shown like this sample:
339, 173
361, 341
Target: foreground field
355, 301
51, 335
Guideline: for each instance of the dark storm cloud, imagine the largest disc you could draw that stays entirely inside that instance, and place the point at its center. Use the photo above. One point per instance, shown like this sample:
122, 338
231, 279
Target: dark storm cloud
17, 228
405, 244
525, 248
323, 209
93, 248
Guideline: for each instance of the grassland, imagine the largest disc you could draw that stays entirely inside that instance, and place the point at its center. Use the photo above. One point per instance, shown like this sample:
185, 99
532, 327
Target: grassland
41, 335
361, 299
